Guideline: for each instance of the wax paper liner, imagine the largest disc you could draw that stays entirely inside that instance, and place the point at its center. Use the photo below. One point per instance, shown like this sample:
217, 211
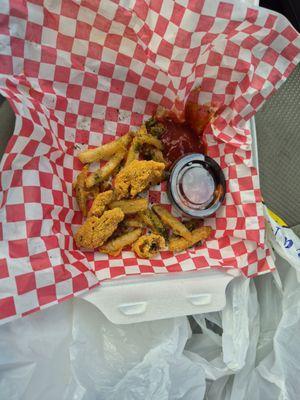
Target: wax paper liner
79, 74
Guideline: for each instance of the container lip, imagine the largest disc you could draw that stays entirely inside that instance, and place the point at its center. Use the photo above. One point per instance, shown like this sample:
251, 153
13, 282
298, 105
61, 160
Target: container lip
217, 175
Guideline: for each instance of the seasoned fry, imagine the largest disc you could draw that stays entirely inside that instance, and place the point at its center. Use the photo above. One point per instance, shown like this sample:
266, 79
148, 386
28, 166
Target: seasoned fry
100, 153
152, 221
105, 151
130, 206
148, 245
134, 222
80, 190
141, 131
136, 177
105, 172
133, 152
115, 246
168, 219
191, 224
100, 203
95, 231
148, 139
179, 243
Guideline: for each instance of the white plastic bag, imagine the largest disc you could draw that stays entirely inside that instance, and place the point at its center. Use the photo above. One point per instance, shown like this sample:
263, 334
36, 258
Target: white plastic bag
258, 354
72, 351
234, 352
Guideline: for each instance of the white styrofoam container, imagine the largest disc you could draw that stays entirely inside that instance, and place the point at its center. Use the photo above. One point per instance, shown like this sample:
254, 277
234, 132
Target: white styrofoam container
156, 296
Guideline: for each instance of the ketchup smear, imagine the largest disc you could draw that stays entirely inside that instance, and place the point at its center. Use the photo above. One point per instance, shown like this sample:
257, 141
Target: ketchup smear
180, 138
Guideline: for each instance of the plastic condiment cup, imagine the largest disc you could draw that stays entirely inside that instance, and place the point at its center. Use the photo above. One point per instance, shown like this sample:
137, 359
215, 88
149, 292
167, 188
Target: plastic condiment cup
196, 185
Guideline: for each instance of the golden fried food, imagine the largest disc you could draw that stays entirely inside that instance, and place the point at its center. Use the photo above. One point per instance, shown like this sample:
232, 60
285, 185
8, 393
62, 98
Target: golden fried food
100, 203
133, 153
149, 140
80, 190
152, 221
141, 131
168, 219
134, 222
136, 177
179, 243
117, 218
93, 191
141, 138
115, 246
148, 246
131, 206
105, 151
191, 224
106, 171
95, 231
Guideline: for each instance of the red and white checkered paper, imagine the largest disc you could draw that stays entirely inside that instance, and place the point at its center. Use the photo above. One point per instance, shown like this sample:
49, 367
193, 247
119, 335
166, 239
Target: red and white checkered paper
79, 74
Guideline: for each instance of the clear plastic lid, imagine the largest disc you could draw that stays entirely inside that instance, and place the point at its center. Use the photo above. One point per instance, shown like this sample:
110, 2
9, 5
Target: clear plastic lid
197, 185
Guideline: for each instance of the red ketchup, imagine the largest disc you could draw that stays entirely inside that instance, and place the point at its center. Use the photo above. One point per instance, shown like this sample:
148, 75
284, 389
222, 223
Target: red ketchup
183, 134
179, 139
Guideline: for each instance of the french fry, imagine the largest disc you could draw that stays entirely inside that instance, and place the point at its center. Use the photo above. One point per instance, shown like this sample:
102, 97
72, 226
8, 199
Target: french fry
148, 139
126, 139
115, 246
141, 131
100, 153
168, 219
148, 246
105, 151
191, 224
134, 222
130, 206
100, 203
80, 190
152, 221
179, 243
105, 172
133, 152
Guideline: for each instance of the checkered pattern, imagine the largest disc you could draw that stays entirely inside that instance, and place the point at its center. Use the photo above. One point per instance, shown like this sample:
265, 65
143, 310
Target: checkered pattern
79, 74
